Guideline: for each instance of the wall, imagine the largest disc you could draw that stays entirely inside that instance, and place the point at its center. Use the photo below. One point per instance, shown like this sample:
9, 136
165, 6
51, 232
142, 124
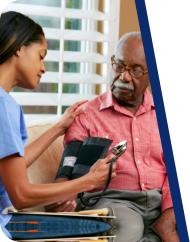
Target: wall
128, 23
128, 19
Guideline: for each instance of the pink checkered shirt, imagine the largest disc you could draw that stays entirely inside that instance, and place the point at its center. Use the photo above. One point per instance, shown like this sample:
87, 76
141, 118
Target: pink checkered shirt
142, 166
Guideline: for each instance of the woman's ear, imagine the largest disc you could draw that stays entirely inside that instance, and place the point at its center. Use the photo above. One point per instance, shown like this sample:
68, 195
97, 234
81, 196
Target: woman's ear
17, 53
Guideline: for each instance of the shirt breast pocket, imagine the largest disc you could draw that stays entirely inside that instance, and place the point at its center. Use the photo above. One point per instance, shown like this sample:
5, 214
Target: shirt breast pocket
117, 138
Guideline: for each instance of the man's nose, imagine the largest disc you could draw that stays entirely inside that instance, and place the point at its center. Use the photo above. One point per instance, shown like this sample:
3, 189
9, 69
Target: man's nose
126, 77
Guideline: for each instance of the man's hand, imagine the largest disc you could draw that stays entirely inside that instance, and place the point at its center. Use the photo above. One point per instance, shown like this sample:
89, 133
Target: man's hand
166, 226
63, 206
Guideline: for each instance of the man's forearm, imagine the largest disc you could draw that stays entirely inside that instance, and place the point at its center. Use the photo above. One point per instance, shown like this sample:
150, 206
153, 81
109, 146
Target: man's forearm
166, 226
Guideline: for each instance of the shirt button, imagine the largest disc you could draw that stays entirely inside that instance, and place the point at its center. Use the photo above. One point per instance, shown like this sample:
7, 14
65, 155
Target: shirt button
134, 118
142, 184
86, 117
139, 161
137, 139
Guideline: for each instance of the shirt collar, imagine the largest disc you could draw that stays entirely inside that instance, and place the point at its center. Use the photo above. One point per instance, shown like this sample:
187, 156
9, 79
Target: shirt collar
108, 100
148, 102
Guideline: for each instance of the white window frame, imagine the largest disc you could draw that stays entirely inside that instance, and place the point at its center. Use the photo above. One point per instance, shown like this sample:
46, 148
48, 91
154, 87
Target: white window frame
89, 38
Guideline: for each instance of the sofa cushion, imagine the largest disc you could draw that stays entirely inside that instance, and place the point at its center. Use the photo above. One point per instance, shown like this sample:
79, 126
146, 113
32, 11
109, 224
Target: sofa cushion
44, 169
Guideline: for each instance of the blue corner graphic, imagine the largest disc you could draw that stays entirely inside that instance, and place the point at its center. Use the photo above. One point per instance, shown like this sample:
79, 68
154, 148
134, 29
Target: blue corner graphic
162, 121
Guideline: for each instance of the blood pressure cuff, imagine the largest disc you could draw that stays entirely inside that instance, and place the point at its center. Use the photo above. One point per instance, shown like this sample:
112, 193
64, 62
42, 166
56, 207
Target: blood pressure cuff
79, 157
68, 159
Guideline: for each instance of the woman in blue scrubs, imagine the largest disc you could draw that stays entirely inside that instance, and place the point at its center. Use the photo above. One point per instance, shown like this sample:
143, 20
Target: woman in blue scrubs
22, 50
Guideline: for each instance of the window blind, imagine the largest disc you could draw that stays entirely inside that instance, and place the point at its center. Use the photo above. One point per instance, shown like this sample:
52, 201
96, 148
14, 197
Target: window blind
86, 77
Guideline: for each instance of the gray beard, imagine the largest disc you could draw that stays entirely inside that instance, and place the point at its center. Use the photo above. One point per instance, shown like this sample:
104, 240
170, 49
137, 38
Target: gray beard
122, 84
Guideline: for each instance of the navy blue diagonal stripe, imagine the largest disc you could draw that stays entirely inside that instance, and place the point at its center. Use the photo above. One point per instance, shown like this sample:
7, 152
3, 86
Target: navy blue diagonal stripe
162, 121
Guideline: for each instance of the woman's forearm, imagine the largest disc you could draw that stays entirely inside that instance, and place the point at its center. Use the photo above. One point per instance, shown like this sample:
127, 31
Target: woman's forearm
23, 194
42, 195
38, 146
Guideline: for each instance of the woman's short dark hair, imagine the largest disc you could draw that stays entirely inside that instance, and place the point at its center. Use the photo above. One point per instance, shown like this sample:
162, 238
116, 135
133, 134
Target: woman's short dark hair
17, 30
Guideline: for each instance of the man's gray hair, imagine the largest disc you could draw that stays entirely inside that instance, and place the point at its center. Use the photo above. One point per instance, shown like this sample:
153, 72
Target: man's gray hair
131, 35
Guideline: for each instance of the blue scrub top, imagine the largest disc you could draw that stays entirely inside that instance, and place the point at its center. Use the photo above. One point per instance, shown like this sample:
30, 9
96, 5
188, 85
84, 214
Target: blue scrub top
13, 137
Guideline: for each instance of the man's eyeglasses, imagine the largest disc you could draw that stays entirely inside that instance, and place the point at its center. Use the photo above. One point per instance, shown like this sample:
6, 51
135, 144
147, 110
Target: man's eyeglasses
121, 69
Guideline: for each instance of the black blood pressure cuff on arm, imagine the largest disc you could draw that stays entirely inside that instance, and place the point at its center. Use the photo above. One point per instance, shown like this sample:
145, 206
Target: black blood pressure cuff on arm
68, 159
93, 148
79, 157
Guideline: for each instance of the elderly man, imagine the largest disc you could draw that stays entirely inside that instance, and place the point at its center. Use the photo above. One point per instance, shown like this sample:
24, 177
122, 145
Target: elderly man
126, 112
